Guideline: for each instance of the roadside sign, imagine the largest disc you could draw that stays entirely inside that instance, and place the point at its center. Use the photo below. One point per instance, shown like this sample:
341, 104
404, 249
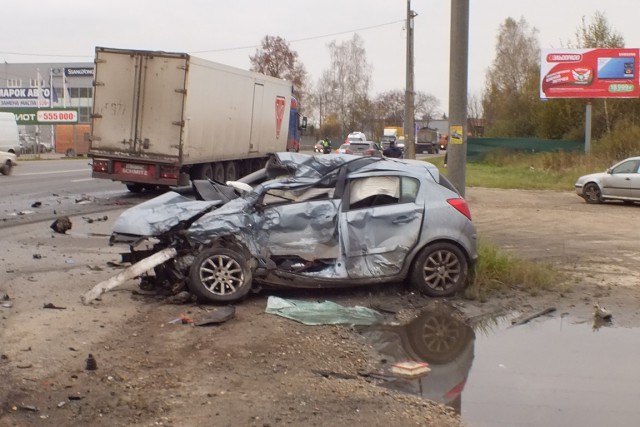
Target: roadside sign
589, 73
45, 116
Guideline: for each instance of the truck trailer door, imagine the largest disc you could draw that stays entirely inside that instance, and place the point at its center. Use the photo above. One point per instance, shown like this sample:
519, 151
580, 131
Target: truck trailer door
138, 102
256, 118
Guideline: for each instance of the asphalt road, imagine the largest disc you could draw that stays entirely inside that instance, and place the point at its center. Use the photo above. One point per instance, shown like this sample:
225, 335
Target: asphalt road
39, 190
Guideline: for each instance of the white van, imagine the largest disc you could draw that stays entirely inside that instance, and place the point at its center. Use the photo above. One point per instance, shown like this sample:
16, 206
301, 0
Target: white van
9, 139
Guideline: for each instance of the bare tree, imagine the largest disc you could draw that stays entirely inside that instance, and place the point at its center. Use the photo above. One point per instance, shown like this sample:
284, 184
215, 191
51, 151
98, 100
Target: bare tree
597, 33
474, 115
426, 106
510, 95
276, 59
345, 84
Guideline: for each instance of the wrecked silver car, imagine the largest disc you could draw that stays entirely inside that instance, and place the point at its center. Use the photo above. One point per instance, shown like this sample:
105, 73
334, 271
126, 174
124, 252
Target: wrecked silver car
309, 222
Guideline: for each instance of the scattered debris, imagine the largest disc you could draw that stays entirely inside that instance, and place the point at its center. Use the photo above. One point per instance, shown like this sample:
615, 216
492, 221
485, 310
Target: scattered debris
91, 364
129, 273
219, 315
61, 225
84, 199
115, 264
36, 204
410, 369
61, 404
25, 366
37, 256
69, 261
185, 319
94, 268
55, 307
75, 397
7, 304
526, 319
29, 408
601, 312
183, 297
91, 220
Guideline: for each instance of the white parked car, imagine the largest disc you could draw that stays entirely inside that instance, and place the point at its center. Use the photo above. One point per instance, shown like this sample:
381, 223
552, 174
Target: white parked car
7, 162
620, 182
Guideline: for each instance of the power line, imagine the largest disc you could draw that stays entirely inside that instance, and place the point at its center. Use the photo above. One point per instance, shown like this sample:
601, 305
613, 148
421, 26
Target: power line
255, 46
304, 38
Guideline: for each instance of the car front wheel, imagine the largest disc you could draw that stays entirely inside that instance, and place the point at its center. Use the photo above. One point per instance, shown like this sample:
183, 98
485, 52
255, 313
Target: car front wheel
440, 270
220, 275
592, 193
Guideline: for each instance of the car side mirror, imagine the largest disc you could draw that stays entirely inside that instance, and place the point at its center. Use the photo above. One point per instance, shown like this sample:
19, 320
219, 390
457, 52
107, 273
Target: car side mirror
303, 123
609, 171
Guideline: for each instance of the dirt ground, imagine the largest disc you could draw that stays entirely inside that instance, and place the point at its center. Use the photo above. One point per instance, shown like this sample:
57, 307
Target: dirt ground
258, 369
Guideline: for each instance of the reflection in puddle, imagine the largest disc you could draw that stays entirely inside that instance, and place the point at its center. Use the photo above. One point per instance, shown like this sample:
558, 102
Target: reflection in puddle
552, 371
434, 337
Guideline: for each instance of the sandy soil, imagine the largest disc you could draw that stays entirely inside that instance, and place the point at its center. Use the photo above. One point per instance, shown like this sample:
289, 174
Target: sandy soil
259, 369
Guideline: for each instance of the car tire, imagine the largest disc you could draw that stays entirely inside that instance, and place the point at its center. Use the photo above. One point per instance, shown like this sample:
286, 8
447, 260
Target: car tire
220, 275
440, 270
6, 168
592, 194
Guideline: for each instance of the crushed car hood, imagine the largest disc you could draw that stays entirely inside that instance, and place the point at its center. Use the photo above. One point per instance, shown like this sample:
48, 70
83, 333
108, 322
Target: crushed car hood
160, 214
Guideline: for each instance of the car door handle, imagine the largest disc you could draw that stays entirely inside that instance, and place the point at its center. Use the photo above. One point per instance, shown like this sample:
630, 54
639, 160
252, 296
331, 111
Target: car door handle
402, 219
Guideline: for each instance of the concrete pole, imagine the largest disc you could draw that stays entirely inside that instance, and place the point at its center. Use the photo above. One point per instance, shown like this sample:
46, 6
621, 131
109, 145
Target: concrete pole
458, 64
409, 107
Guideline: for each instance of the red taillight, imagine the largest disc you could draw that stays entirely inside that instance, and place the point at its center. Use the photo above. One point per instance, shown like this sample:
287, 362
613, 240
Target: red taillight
369, 152
456, 390
100, 165
461, 206
169, 172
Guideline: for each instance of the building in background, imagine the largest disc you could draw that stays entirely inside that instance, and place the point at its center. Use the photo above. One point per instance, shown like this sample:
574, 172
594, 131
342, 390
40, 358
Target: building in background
52, 103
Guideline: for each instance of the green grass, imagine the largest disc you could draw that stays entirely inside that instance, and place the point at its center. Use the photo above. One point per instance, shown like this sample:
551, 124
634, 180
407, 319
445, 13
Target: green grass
497, 271
542, 171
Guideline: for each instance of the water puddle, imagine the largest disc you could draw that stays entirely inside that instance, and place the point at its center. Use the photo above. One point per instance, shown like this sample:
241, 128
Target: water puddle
552, 371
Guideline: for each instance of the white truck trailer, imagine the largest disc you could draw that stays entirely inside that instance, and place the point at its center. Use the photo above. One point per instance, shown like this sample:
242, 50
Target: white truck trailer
161, 119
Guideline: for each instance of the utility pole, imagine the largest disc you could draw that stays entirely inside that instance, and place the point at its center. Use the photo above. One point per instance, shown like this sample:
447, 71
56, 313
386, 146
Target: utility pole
458, 64
409, 106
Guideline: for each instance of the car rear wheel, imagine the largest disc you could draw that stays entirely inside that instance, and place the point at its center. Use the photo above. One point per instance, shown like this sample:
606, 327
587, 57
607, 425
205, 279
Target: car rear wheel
6, 168
440, 270
592, 193
220, 275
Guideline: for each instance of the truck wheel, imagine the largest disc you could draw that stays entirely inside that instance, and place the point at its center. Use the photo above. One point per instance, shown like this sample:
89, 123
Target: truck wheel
203, 171
220, 275
218, 172
231, 171
135, 188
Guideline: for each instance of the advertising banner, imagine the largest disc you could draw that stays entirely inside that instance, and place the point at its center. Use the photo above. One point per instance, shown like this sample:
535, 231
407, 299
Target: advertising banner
589, 73
24, 97
34, 116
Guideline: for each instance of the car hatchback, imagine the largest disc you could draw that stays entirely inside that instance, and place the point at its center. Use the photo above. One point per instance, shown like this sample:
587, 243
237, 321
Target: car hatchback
333, 220
361, 149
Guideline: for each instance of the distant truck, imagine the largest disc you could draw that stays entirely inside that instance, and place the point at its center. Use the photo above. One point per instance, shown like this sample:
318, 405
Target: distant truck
162, 119
392, 134
427, 141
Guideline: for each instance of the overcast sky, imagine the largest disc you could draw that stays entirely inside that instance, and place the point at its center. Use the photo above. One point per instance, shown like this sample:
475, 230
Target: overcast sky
229, 31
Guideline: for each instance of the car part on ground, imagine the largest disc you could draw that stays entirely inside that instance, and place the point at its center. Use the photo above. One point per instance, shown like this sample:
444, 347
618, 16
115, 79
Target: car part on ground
620, 182
334, 220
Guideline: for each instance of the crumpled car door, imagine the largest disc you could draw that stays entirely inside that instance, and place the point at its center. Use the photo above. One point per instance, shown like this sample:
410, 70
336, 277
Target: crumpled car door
379, 226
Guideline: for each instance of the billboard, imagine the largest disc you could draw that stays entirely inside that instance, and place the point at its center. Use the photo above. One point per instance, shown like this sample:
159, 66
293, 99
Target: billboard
589, 73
